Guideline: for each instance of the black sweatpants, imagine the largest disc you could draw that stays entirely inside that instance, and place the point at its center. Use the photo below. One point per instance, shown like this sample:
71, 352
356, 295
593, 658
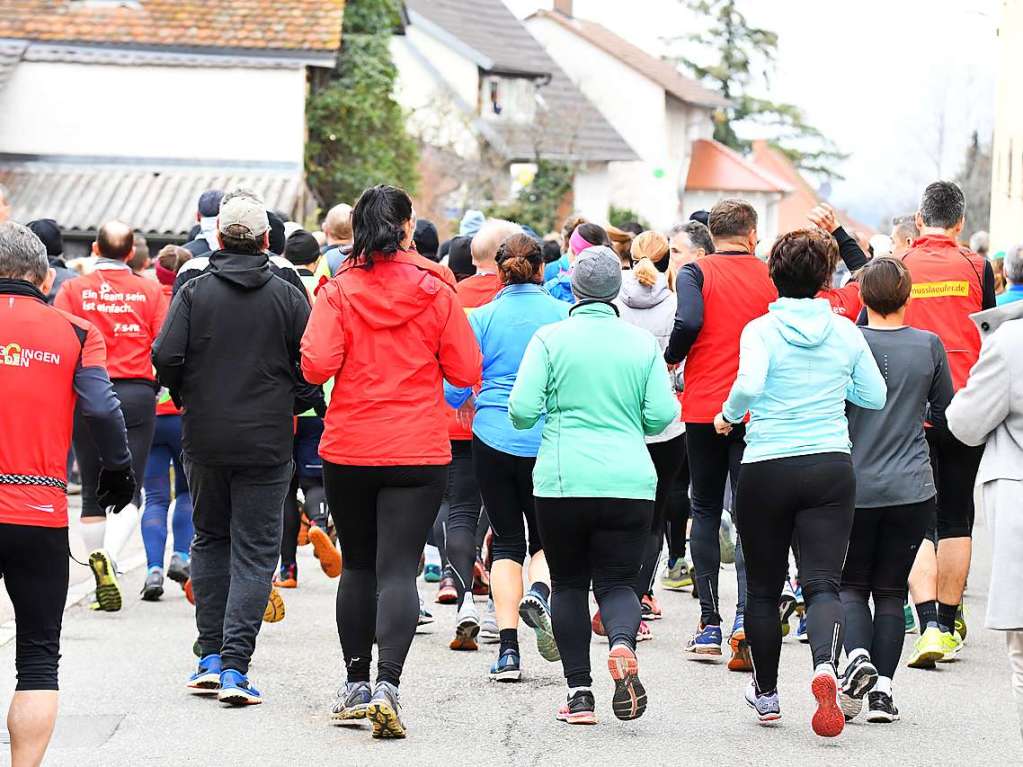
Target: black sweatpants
34, 567
506, 486
599, 541
882, 548
238, 512
138, 404
668, 458
382, 515
813, 497
459, 517
713, 460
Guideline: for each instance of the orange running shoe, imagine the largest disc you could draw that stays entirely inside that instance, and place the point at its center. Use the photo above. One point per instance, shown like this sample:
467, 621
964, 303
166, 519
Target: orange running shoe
287, 578
325, 551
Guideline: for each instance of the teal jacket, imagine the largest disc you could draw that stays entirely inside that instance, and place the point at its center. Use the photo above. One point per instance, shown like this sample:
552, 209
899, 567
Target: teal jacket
798, 366
603, 386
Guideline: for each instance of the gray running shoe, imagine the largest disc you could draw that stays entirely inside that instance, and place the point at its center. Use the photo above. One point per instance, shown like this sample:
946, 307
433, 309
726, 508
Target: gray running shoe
384, 711
536, 613
726, 539
351, 704
767, 707
489, 632
180, 569
152, 590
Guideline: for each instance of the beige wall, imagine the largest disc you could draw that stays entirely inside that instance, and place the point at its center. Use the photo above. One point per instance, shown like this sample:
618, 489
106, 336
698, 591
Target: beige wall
1007, 156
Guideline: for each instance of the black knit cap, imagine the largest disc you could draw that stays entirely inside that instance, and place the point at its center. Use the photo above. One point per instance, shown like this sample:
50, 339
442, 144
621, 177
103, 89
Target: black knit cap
302, 248
46, 229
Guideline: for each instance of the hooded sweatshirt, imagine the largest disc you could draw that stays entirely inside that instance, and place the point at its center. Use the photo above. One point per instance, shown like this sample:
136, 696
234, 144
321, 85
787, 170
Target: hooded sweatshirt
229, 354
798, 365
389, 335
651, 308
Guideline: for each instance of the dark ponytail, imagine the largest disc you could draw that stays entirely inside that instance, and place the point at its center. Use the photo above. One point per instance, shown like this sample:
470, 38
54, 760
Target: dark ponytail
519, 259
378, 220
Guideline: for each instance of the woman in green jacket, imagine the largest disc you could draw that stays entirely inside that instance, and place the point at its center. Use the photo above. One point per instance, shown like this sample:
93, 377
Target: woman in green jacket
603, 386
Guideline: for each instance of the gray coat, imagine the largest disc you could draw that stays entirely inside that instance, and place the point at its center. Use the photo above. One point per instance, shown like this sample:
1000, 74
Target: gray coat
989, 411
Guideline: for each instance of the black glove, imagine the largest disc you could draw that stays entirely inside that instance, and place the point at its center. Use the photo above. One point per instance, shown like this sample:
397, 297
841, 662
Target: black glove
115, 488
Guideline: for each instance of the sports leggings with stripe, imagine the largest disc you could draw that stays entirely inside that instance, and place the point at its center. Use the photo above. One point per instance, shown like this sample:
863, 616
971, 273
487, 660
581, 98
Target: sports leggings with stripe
811, 497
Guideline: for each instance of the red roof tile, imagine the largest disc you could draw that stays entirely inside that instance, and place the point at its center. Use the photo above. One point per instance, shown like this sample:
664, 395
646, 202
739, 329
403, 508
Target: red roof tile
302, 25
715, 167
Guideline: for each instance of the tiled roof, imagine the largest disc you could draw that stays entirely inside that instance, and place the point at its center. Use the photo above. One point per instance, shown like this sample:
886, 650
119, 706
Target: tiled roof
305, 25
573, 129
714, 167
81, 196
651, 67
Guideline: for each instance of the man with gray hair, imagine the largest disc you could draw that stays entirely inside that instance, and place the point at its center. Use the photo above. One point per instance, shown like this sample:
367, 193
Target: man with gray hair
687, 242
50, 363
229, 354
1013, 269
904, 233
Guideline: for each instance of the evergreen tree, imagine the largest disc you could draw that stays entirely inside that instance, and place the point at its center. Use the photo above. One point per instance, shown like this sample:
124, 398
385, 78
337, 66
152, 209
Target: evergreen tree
357, 134
974, 179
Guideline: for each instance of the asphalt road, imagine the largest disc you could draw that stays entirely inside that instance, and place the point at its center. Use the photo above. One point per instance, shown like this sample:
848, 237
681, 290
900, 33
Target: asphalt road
124, 701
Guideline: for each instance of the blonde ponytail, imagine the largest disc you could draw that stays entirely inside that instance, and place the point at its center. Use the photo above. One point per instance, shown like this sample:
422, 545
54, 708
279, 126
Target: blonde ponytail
648, 249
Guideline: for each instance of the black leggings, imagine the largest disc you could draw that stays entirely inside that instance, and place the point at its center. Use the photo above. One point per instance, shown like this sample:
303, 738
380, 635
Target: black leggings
677, 516
382, 515
882, 549
506, 485
668, 458
34, 567
138, 404
459, 517
713, 459
315, 507
813, 496
599, 541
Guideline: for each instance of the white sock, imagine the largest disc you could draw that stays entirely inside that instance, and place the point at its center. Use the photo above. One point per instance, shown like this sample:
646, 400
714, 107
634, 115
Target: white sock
120, 528
884, 684
432, 555
93, 534
856, 654
824, 668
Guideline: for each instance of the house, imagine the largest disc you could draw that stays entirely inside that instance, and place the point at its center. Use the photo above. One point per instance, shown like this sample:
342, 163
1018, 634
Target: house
490, 103
793, 207
1007, 147
657, 110
715, 171
130, 109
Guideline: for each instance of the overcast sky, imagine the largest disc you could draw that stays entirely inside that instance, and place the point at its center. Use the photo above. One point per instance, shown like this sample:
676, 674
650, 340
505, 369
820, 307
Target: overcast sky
884, 79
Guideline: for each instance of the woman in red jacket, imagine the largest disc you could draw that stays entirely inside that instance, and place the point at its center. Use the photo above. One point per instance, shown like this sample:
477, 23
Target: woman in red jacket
388, 329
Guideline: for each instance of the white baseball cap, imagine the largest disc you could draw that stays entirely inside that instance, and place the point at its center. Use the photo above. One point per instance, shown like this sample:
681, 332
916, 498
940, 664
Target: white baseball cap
243, 209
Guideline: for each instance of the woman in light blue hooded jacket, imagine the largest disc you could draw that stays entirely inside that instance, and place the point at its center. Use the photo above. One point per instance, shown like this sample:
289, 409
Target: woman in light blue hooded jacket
799, 365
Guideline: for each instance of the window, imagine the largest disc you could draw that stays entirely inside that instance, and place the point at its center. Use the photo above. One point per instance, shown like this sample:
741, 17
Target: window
508, 98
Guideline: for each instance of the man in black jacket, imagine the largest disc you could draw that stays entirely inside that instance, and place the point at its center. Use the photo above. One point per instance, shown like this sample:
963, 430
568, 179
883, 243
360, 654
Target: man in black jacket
229, 353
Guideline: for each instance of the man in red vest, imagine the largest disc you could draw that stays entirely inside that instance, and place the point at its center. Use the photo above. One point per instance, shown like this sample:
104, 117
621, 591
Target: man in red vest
50, 362
950, 282
717, 295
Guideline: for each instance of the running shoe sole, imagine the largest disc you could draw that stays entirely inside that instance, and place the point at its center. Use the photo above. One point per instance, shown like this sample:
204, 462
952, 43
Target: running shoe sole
489, 636
108, 590
881, 717
237, 696
850, 698
926, 660
465, 636
534, 616
385, 720
189, 594
741, 659
350, 716
787, 608
204, 685
828, 721
629, 700
506, 676
706, 655
680, 585
325, 551
152, 593
274, 612
583, 717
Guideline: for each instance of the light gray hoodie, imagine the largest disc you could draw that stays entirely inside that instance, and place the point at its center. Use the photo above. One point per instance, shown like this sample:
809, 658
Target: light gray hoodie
651, 308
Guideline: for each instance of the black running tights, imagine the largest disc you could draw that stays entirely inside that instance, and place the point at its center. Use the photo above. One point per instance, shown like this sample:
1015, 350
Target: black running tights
668, 458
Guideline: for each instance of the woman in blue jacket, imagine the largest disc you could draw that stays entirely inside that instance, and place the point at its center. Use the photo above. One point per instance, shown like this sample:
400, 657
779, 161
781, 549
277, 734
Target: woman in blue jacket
798, 367
503, 458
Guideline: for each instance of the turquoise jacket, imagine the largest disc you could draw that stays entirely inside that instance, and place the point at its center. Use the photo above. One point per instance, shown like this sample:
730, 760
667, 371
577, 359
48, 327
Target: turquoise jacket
603, 386
798, 365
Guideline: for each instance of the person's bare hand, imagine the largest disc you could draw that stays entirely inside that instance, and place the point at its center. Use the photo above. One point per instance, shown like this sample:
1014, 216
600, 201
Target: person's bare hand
721, 426
823, 216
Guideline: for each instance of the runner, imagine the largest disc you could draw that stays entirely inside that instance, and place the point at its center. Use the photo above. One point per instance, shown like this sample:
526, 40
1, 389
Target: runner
503, 458
950, 282
584, 236
647, 301
717, 296
603, 386
797, 367
894, 488
128, 311
52, 361
392, 321
165, 458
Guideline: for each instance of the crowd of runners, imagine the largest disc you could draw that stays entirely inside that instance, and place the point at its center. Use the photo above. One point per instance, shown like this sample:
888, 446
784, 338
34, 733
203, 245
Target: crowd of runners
523, 420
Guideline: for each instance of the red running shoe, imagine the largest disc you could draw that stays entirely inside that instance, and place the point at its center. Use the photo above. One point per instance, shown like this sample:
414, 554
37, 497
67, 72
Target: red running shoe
480, 580
651, 608
828, 721
447, 594
597, 625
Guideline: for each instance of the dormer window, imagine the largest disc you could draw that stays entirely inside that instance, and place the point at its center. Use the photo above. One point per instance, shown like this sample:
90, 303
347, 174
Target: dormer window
508, 98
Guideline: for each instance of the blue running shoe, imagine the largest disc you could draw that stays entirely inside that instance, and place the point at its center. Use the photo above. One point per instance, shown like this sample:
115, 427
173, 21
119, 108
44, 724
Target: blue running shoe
506, 668
536, 613
801, 634
236, 690
207, 678
705, 644
432, 574
351, 704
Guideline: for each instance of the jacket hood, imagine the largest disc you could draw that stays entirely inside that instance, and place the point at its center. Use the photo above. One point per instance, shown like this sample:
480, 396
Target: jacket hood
242, 270
635, 295
989, 320
805, 322
388, 294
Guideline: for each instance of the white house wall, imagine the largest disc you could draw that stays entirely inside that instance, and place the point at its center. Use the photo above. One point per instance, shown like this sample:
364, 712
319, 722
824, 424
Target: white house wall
591, 191
221, 114
1007, 152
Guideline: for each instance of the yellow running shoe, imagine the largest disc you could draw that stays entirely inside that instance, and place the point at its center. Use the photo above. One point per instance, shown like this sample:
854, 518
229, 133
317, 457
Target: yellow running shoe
677, 577
108, 590
928, 650
951, 644
960, 627
274, 611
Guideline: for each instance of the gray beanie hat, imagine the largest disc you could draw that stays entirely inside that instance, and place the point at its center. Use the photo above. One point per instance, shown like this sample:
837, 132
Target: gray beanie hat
597, 274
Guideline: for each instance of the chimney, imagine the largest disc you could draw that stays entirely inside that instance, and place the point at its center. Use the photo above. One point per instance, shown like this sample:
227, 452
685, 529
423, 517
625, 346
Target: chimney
564, 7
